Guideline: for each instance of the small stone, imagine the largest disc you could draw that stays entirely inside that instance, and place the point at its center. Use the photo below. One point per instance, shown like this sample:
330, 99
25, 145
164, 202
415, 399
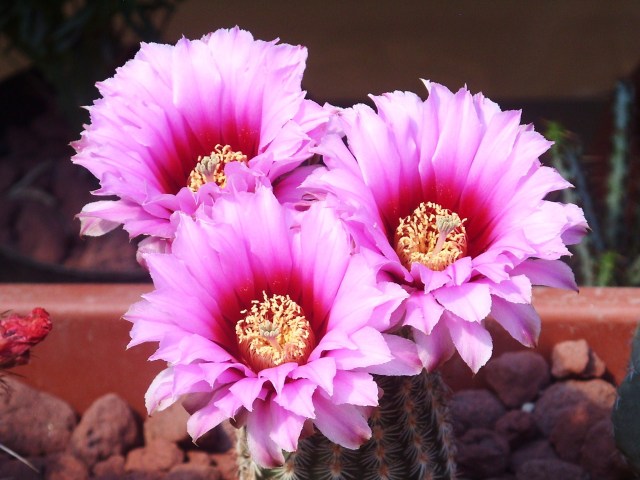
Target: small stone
226, 462
189, 471
112, 466
196, 457
538, 449
570, 429
169, 424
482, 453
34, 423
107, 428
517, 426
517, 377
546, 469
599, 454
159, 455
64, 466
574, 358
598, 395
474, 409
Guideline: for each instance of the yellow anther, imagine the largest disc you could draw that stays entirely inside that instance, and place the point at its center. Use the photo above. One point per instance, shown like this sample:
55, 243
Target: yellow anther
211, 168
432, 235
274, 331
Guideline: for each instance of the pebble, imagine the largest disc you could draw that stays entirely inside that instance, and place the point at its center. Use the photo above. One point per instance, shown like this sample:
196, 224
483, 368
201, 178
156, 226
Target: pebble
574, 358
517, 377
107, 428
34, 423
474, 409
563, 432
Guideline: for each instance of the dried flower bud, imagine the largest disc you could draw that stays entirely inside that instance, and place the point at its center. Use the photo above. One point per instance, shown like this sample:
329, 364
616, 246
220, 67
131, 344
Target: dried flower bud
19, 333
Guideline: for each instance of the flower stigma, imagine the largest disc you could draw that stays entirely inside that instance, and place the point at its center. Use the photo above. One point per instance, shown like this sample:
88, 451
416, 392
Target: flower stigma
432, 235
274, 331
211, 168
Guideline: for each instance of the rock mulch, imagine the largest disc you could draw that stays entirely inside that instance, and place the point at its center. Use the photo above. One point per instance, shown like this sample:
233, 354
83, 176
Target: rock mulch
539, 421
107, 443
534, 421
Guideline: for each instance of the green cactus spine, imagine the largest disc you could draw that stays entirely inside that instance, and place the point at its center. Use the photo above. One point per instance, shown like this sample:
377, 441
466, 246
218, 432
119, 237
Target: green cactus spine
411, 440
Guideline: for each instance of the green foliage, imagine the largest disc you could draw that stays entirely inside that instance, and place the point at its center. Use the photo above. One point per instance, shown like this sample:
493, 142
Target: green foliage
626, 411
411, 440
75, 43
610, 254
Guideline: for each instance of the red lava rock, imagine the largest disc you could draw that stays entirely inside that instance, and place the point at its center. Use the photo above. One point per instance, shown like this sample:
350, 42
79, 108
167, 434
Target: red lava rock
227, 463
517, 377
159, 455
574, 358
33, 422
474, 409
65, 467
570, 430
598, 395
599, 455
188, 471
517, 426
538, 449
112, 467
107, 428
547, 469
169, 424
482, 453
196, 457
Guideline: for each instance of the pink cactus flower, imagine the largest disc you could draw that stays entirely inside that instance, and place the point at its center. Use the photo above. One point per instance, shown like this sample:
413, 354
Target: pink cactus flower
179, 126
18, 333
451, 191
270, 319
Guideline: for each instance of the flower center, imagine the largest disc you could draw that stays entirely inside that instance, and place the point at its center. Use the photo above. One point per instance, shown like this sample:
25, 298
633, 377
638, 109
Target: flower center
211, 168
273, 332
431, 235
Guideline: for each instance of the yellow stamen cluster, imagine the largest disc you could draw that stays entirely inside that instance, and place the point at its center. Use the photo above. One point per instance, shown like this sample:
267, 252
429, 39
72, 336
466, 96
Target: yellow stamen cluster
274, 331
432, 235
211, 168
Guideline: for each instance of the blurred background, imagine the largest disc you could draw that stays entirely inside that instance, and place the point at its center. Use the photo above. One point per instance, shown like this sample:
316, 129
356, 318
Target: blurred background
573, 63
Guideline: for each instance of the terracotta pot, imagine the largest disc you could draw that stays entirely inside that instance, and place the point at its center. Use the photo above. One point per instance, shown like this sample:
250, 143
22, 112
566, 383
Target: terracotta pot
85, 355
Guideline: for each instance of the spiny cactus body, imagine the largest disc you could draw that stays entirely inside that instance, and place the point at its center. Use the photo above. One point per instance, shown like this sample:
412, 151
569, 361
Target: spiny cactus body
626, 411
411, 440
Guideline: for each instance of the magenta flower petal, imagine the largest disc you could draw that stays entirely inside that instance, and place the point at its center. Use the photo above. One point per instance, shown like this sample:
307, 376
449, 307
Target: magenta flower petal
171, 106
451, 193
422, 312
343, 424
435, 348
297, 397
520, 320
472, 341
553, 273
263, 449
471, 301
406, 360
355, 388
